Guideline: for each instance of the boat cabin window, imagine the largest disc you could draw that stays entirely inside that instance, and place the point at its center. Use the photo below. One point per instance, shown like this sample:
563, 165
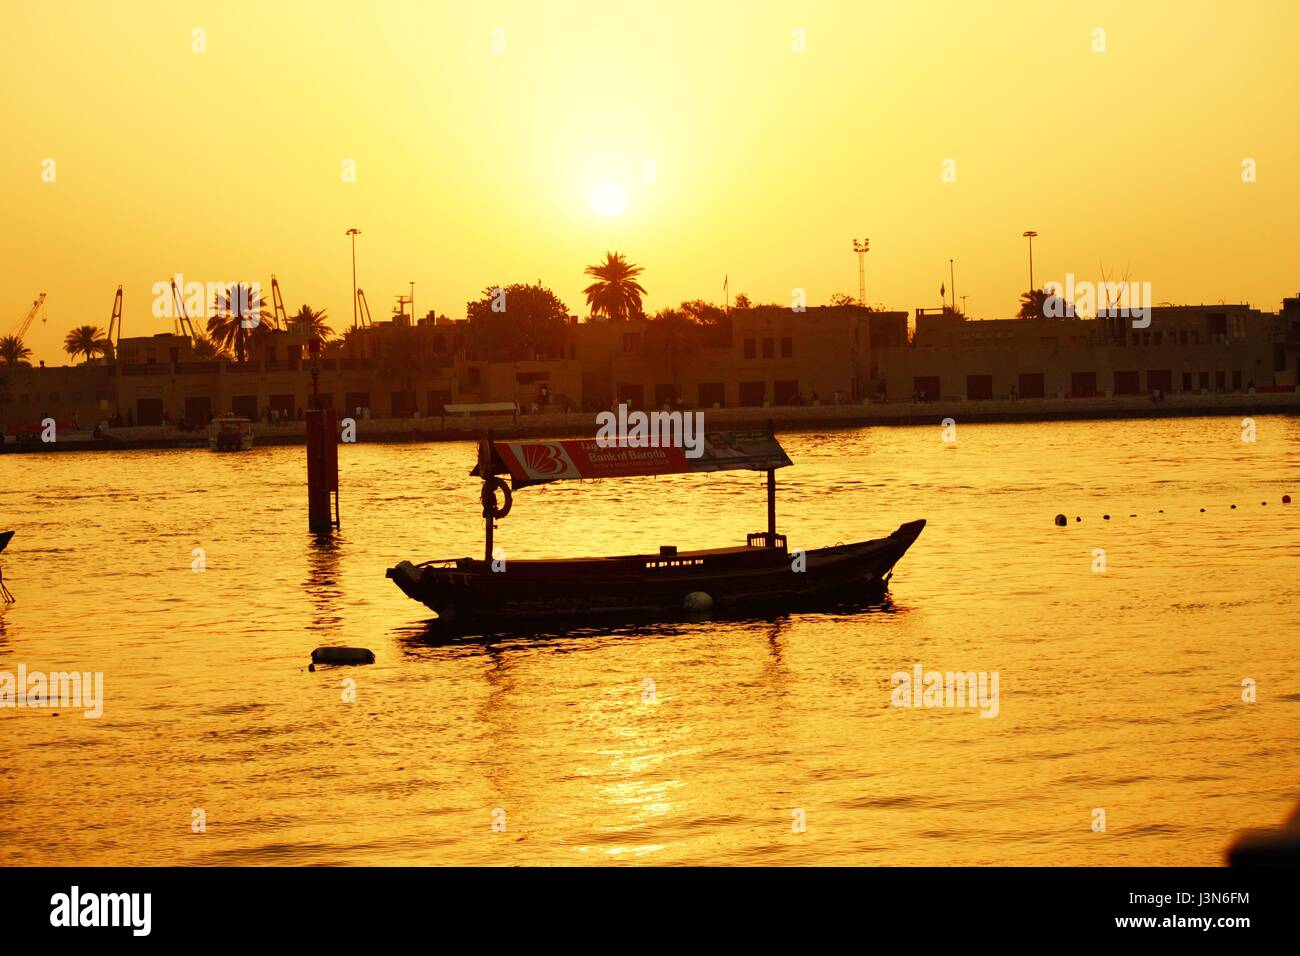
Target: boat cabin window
675, 563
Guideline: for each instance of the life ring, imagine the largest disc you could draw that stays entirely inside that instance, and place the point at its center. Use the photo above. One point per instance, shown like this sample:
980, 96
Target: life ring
490, 506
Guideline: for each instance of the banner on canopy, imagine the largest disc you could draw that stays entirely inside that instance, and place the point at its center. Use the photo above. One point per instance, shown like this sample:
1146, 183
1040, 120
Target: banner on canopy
532, 462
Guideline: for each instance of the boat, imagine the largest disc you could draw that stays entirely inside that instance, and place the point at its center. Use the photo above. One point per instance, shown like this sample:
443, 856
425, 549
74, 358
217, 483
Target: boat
6, 596
763, 572
230, 433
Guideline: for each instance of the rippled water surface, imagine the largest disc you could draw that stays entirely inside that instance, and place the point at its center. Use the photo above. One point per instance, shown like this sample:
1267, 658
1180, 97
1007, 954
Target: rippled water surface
1119, 690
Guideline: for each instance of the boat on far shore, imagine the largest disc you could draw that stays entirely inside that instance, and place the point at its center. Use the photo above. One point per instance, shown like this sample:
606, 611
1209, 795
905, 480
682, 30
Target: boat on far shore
230, 433
762, 573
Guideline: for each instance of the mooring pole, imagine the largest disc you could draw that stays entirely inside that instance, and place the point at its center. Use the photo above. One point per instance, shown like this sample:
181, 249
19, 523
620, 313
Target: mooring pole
322, 457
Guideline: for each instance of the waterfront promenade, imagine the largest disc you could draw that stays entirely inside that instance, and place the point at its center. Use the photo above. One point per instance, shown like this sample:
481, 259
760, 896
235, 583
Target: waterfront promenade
786, 418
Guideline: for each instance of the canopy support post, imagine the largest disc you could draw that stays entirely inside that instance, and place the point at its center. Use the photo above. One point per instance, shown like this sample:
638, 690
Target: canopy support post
487, 497
771, 507
771, 494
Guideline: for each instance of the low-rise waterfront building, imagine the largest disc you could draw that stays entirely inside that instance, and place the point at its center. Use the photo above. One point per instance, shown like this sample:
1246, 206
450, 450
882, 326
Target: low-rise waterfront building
1204, 349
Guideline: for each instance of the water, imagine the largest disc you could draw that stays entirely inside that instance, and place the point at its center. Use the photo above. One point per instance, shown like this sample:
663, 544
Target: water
1119, 690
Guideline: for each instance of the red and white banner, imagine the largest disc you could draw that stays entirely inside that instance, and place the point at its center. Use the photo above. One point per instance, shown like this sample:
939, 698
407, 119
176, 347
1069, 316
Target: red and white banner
536, 461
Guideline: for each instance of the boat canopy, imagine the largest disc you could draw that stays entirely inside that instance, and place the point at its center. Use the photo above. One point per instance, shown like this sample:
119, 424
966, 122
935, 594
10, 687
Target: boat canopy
538, 462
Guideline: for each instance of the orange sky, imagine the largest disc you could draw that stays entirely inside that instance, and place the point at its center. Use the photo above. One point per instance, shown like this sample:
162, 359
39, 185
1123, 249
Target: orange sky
477, 167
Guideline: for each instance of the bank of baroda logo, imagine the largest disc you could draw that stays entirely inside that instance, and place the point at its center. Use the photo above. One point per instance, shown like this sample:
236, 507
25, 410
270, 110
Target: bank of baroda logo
548, 460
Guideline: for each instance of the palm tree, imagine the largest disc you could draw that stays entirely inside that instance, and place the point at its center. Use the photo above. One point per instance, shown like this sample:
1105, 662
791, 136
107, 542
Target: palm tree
314, 320
354, 343
236, 306
1032, 304
12, 350
206, 348
616, 294
671, 335
87, 340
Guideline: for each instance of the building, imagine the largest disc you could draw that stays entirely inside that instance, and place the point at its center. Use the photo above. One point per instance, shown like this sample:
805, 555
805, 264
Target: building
1201, 349
754, 357
393, 369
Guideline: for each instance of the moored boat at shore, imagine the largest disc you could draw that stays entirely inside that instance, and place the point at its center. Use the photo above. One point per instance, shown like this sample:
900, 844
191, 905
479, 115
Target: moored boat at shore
230, 433
763, 572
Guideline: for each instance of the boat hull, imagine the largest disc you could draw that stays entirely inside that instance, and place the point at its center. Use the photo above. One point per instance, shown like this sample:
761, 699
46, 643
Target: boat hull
734, 578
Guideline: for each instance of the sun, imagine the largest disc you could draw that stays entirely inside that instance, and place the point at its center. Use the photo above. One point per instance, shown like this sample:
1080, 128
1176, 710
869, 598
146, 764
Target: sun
609, 200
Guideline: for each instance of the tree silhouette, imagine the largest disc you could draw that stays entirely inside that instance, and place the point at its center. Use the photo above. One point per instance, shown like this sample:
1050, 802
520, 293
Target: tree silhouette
671, 335
237, 305
206, 348
1033, 303
616, 294
530, 326
13, 351
314, 320
87, 340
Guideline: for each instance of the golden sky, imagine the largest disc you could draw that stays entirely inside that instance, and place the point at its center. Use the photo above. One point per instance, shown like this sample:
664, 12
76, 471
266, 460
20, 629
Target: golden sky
477, 166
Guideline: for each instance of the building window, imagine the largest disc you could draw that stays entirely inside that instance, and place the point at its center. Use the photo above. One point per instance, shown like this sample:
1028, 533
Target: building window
631, 341
787, 345
1031, 385
769, 348
749, 348
979, 387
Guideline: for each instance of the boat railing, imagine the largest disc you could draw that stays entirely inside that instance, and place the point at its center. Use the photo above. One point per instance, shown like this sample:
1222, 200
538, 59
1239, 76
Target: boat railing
441, 563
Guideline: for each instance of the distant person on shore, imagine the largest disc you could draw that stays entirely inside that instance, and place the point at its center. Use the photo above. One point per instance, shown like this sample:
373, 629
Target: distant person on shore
76, 422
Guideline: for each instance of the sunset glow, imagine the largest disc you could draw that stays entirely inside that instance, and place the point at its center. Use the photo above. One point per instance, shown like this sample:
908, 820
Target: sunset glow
750, 160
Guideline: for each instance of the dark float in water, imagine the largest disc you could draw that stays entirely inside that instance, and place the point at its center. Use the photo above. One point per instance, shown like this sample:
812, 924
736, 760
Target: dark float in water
762, 573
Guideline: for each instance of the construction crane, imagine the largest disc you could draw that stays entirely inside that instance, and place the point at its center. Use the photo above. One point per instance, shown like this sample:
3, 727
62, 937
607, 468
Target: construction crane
115, 322
277, 305
363, 308
23, 326
183, 320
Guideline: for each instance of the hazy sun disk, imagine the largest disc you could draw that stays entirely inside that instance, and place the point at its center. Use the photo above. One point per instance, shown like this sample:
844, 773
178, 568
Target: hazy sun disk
608, 199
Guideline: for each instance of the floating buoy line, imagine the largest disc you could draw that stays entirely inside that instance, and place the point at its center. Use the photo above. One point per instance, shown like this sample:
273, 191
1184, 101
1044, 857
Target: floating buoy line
1061, 520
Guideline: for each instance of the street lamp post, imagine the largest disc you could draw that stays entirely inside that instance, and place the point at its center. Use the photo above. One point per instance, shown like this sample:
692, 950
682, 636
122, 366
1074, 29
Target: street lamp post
1030, 236
353, 233
860, 246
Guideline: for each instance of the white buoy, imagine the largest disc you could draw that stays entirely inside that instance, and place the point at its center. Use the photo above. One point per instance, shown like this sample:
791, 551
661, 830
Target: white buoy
698, 601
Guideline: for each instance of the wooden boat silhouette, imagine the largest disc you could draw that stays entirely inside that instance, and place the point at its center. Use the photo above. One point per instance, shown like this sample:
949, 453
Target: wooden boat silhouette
764, 571
6, 596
